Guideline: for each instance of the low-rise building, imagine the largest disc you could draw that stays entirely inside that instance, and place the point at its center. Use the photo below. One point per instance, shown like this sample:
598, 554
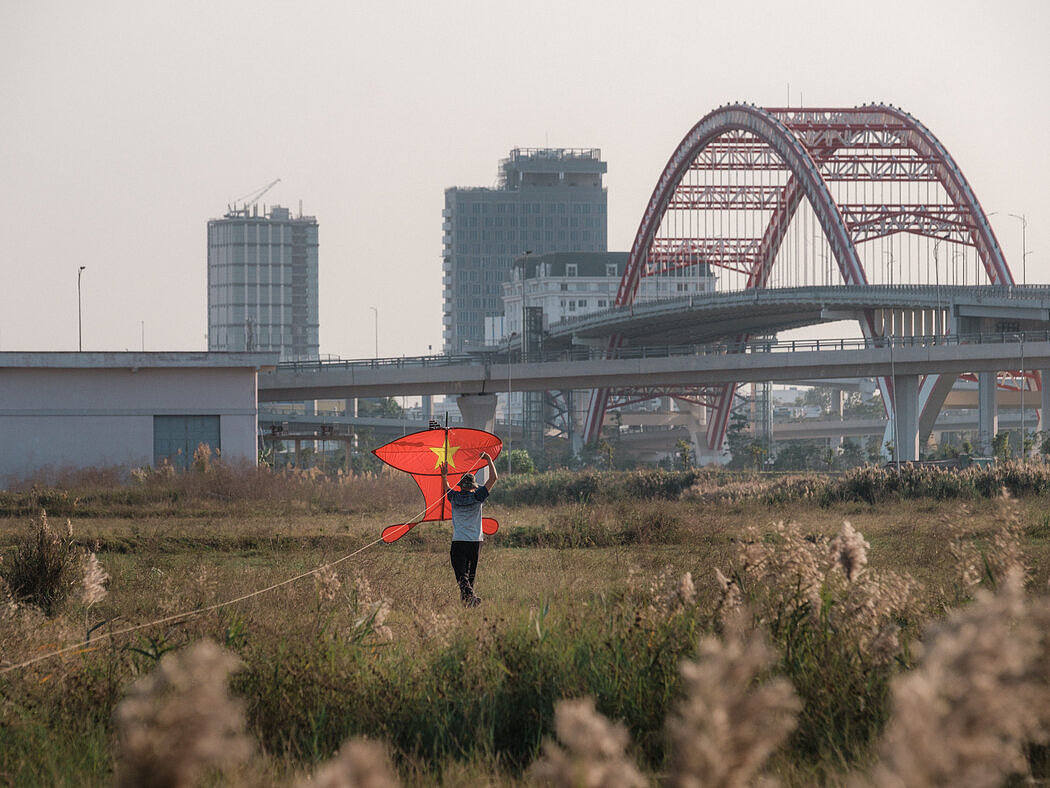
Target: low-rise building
562, 285
69, 411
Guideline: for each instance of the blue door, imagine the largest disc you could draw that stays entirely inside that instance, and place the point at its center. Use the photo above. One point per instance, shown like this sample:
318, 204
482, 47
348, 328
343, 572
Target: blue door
176, 438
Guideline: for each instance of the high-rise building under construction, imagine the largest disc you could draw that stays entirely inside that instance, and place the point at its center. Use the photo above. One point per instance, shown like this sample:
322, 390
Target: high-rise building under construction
546, 200
262, 283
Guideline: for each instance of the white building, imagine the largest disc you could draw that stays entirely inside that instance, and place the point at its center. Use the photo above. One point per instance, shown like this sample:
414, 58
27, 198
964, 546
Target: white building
262, 283
573, 284
66, 411
545, 289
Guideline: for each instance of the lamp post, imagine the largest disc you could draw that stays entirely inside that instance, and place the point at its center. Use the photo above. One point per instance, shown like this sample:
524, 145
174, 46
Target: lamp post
522, 263
818, 238
937, 286
80, 322
1023, 385
1024, 245
524, 350
377, 329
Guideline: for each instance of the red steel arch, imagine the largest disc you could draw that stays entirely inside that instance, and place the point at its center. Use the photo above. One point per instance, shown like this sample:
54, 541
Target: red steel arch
815, 146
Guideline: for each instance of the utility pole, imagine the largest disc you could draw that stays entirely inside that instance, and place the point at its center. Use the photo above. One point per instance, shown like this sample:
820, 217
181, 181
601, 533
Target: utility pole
377, 329
80, 322
1024, 245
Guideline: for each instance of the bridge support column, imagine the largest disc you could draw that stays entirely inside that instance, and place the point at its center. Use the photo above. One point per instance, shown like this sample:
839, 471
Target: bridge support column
427, 406
987, 412
703, 454
478, 410
574, 426
906, 412
1043, 423
838, 413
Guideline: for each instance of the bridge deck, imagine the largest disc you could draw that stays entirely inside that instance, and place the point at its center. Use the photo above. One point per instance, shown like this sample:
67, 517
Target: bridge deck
682, 365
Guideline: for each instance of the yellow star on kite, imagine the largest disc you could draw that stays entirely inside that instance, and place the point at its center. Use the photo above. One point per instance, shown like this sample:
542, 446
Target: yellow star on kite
445, 454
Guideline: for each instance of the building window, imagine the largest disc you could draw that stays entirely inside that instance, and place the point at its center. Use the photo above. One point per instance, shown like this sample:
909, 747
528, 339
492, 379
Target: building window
570, 269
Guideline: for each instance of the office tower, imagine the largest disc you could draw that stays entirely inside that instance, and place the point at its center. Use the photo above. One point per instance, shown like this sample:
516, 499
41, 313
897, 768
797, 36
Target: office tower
546, 200
262, 283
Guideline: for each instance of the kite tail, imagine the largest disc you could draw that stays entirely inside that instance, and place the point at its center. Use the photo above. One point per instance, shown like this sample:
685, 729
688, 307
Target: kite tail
394, 532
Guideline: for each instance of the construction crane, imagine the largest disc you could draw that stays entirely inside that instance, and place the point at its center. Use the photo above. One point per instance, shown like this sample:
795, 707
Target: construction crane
248, 200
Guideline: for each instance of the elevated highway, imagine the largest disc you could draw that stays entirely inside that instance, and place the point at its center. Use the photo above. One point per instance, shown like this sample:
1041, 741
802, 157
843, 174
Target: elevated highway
712, 317
477, 379
765, 361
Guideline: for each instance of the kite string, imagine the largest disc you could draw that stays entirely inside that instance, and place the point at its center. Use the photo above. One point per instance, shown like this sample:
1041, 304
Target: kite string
441, 500
80, 647
187, 614
426, 509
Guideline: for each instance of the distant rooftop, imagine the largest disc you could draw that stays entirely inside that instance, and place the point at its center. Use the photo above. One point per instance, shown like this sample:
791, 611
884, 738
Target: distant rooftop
277, 213
587, 263
550, 166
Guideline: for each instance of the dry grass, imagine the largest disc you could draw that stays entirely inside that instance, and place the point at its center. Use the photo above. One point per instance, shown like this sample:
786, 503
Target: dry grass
735, 708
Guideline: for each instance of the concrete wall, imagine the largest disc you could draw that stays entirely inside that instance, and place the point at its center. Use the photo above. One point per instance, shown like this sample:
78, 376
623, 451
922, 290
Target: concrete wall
58, 418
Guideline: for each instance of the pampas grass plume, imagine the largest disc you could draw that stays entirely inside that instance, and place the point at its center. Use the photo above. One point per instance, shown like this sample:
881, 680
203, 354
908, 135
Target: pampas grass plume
595, 751
729, 724
360, 763
979, 694
179, 721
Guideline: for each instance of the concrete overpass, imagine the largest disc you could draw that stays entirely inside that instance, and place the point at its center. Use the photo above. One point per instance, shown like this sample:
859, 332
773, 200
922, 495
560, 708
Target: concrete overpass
710, 317
477, 379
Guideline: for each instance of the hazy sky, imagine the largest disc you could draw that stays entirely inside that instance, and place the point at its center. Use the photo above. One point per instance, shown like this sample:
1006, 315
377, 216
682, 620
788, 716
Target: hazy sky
125, 126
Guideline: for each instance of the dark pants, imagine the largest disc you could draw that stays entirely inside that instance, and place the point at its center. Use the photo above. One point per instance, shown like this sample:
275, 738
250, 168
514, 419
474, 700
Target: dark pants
464, 557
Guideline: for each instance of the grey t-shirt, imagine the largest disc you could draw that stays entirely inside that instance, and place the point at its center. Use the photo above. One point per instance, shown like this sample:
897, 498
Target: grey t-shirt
466, 514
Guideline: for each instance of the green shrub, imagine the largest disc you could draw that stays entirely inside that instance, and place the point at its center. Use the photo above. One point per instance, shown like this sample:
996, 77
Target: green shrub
45, 568
554, 487
874, 484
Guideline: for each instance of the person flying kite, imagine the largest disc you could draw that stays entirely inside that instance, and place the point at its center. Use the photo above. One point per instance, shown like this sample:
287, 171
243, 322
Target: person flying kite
439, 459
467, 533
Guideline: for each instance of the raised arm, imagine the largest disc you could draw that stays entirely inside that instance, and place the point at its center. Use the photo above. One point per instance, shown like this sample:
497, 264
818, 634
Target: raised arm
444, 476
491, 477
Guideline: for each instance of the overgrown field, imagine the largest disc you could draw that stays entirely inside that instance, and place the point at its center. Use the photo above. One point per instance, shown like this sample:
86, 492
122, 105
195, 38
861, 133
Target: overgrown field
239, 627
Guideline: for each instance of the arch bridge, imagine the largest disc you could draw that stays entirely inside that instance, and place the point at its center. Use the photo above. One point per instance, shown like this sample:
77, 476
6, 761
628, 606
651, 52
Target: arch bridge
757, 200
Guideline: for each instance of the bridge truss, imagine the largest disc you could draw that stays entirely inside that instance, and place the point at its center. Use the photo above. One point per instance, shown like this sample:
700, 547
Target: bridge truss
754, 199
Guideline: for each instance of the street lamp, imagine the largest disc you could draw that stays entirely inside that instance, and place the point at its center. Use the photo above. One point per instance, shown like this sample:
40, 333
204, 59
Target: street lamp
1024, 383
889, 270
377, 329
524, 321
1024, 245
937, 285
824, 257
80, 322
524, 262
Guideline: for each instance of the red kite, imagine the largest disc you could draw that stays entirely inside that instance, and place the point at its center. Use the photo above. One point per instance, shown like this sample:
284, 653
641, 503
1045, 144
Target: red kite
421, 455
